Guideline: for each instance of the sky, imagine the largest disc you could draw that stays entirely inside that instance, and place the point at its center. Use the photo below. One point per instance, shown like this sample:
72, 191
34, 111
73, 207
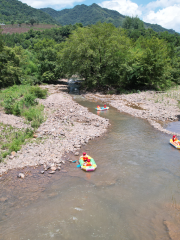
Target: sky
163, 12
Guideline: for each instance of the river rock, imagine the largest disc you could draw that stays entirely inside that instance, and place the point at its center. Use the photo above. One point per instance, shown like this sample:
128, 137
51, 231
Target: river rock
53, 168
52, 172
42, 172
76, 154
3, 199
13, 153
20, 175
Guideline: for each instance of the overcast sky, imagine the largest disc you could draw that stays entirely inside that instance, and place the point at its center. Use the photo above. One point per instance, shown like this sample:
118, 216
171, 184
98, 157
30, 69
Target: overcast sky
163, 12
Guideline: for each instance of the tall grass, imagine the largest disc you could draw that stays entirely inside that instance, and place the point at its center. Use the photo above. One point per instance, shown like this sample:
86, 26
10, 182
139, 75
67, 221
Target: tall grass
21, 101
11, 139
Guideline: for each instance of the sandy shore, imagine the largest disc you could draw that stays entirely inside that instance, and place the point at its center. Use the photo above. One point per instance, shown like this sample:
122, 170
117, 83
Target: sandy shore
69, 126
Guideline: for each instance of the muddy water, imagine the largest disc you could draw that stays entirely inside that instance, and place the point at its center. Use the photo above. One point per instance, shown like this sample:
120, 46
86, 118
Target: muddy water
132, 194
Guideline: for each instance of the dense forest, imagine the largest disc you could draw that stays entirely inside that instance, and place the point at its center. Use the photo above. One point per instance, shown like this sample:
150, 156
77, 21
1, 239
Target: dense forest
121, 58
14, 11
88, 15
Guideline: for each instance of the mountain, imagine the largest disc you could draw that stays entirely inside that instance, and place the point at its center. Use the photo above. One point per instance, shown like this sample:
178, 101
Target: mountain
14, 10
91, 14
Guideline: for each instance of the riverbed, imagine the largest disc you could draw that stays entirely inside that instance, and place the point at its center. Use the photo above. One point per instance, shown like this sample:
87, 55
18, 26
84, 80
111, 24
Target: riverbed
133, 194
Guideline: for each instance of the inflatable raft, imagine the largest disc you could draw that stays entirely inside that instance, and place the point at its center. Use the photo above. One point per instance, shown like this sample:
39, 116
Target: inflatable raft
102, 109
174, 144
88, 166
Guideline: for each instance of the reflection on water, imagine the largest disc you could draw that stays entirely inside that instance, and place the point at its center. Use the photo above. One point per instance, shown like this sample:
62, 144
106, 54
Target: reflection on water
127, 197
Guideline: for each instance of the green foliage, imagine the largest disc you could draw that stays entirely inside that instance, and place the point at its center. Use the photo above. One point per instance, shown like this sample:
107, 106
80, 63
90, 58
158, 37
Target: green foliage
38, 92
29, 100
35, 115
8, 105
88, 15
11, 139
21, 101
133, 23
10, 67
96, 54
149, 65
14, 11
32, 21
49, 69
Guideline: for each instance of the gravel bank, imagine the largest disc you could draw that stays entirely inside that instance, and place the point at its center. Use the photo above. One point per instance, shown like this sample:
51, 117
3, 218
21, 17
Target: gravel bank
156, 108
68, 127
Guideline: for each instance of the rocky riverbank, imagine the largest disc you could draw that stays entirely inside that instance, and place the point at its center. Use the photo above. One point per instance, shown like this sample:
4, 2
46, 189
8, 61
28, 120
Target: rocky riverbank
157, 108
68, 127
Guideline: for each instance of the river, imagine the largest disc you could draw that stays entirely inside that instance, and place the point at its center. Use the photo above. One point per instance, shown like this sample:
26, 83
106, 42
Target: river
131, 195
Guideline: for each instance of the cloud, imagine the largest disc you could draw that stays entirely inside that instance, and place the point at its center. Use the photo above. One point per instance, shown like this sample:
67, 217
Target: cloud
162, 4
167, 17
125, 7
55, 4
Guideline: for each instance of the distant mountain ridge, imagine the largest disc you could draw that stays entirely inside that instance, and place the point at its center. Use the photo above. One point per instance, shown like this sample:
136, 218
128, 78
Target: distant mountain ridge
14, 10
91, 14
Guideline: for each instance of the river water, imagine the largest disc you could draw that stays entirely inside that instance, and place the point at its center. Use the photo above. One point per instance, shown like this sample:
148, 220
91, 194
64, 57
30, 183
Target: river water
134, 191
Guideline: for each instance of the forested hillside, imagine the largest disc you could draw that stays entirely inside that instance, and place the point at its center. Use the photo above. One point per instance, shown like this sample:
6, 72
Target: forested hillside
14, 11
105, 56
88, 15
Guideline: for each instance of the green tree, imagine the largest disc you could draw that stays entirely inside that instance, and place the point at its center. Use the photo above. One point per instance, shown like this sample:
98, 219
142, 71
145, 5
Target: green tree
46, 51
95, 53
149, 66
9, 67
32, 21
1, 40
132, 23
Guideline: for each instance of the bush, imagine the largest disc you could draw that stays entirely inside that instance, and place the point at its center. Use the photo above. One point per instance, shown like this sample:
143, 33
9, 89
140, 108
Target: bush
8, 105
20, 139
35, 115
38, 92
16, 109
30, 100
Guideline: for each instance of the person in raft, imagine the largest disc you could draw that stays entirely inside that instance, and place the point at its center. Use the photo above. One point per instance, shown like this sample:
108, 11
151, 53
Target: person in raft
85, 158
175, 140
98, 107
105, 106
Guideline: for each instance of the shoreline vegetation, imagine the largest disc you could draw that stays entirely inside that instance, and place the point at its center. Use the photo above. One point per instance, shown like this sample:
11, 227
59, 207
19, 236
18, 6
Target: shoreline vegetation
69, 126
114, 61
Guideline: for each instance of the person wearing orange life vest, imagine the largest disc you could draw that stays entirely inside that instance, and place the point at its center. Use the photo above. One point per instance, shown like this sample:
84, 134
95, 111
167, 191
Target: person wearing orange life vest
98, 107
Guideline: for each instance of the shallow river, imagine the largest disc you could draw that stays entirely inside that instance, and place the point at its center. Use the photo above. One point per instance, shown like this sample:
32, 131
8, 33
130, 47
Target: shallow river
132, 194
